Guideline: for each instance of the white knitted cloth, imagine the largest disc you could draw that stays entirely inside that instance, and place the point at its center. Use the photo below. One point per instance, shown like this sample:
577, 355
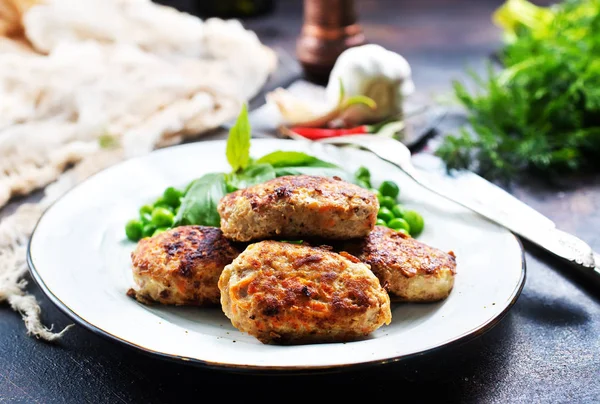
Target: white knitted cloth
15, 231
134, 72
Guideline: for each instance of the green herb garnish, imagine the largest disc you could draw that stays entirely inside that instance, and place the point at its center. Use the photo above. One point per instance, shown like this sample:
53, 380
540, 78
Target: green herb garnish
252, 175
541, 111
238, 142
199, 205
293, 159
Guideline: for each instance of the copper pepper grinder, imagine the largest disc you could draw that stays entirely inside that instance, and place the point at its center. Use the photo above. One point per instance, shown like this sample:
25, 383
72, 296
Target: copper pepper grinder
329, 28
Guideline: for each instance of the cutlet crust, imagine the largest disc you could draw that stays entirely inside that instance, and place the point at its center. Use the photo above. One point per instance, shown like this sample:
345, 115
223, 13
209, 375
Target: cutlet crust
284, 293
408, 269
298, 206
181, 266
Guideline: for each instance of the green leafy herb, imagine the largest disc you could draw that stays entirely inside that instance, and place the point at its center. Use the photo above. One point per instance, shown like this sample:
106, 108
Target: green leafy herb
514, 15
319, 171
238, 142
293, 159
541, 111
252, 175
297, 163
199, 205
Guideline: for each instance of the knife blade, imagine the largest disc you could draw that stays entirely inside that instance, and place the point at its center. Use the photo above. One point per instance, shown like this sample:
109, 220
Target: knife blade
483, 197
520, 218
502, 207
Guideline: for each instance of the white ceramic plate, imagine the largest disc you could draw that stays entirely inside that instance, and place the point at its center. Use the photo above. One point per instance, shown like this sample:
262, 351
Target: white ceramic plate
79, 256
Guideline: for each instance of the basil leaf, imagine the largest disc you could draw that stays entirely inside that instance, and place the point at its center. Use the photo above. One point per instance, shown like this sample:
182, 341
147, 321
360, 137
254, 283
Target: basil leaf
252, 175
293, 159
199, 205
319, 171
238, 142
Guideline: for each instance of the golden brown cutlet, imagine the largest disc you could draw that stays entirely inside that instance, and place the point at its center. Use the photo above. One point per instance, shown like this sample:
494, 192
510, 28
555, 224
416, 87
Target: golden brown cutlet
285, 293
408, 269
181, 266
298, 206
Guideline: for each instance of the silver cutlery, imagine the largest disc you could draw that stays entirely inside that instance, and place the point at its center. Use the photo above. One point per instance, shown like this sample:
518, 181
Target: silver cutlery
481, 196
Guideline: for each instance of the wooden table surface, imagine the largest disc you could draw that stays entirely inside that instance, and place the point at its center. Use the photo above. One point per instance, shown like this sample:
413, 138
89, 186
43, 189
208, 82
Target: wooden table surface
546, 349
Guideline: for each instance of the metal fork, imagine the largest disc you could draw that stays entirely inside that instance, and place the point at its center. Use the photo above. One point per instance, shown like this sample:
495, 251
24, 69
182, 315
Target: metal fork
477, 194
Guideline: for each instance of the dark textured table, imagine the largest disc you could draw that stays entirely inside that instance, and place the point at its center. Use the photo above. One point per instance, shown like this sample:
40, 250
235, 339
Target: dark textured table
546, 349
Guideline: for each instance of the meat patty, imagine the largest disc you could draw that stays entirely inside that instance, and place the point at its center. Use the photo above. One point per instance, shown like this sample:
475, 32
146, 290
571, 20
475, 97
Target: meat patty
299, 206
181, 266
409, 270
283, 293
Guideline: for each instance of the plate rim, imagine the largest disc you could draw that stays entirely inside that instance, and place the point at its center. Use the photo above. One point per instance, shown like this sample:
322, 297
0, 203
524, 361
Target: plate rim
241, 368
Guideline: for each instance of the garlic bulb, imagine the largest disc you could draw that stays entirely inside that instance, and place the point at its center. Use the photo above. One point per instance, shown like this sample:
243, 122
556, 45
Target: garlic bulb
373, 71
370, 72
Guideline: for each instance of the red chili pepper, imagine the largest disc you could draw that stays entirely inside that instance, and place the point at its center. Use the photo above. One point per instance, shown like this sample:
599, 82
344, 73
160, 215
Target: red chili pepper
320, 133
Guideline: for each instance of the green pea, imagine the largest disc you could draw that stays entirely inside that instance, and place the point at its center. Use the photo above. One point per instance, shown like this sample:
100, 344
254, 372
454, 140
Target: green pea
161, 203
133, 230
146, 209
159, 230
387, 202
363, 172
363, 183
148, 230
398, 211
376, 192
389, 188
162, 217
415, 221
398, 223
146, 217
402, 231
385, 214
380, 222
363, 177
172, 197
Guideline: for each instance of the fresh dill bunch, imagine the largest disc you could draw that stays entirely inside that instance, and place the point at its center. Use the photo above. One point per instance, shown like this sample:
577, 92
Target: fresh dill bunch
540, 112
